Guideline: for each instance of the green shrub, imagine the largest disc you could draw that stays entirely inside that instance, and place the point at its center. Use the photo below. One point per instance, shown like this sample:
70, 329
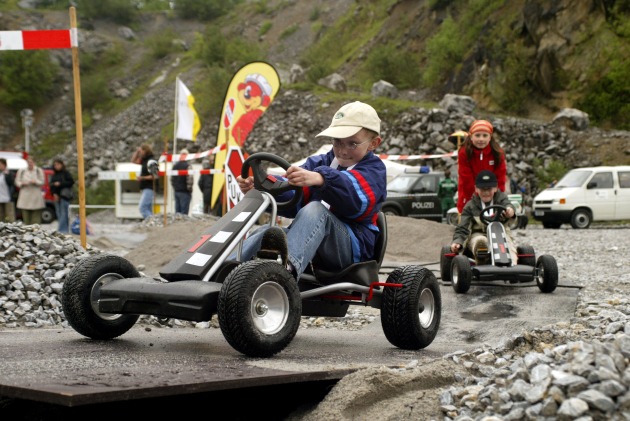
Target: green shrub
119, 11
204, 10
215, 49
161, 45
95, 92
289, 31
389, 63
554, 171
607, 100
265, 27
443, 51
27, 78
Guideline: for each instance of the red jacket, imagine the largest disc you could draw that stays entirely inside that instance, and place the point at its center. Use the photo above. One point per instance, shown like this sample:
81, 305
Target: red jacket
468, 168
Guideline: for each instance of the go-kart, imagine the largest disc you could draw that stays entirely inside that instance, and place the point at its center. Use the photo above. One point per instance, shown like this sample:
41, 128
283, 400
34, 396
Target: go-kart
258, 302
494, 262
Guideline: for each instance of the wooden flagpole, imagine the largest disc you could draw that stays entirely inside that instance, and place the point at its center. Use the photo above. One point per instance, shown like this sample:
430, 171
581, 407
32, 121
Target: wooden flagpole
79, 124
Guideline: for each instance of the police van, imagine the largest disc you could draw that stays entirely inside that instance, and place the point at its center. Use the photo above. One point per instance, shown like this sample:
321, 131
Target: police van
585, 195
413, 193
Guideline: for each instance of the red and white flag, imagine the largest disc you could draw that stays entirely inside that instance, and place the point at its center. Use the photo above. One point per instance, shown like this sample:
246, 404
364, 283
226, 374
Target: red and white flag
38, 40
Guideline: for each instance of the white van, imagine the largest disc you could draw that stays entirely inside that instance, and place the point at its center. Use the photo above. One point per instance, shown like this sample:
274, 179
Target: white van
585, 195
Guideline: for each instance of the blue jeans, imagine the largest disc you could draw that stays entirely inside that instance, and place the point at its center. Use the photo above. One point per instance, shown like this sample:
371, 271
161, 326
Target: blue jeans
146, 203
61, 209
182, 202
315, 231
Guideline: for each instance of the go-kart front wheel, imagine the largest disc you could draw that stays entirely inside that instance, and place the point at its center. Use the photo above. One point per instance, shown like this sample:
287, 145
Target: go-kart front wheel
547, 277
81, 292
446, 257
461, 274
259, 308
411, 315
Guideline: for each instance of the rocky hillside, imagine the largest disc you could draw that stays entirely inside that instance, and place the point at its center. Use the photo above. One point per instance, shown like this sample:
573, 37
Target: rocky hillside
295, 116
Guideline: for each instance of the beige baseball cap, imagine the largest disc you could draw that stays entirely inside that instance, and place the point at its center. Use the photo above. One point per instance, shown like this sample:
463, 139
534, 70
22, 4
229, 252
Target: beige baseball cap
350, 119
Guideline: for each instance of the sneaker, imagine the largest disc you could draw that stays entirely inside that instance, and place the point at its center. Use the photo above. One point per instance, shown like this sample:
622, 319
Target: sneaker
274, 246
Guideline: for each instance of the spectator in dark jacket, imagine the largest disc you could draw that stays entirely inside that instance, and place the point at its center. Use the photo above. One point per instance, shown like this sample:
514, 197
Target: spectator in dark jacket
205, 184
61, 183
7, 207
182, 185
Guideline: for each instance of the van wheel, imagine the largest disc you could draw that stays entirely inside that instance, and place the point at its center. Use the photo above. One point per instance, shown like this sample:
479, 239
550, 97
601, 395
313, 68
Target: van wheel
48, 215
391, 211
581, 218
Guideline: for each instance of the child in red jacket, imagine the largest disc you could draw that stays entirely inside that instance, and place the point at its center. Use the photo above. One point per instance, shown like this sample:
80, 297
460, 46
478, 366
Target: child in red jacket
480, 151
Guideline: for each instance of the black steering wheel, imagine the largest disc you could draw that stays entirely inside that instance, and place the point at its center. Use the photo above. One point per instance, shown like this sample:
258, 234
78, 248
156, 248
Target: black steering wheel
492, 213
267, 182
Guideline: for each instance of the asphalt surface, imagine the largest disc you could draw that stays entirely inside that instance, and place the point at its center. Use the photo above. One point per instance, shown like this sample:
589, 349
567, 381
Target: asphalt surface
58, 366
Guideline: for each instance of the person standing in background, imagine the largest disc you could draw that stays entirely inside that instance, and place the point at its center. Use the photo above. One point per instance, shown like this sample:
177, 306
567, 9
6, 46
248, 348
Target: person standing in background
205, 185
7, 209
446, 192
480, 151
182, 185
30, 199
142, 156
61, 184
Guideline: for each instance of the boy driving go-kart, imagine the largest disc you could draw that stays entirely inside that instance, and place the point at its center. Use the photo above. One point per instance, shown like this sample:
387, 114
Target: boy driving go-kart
243, 278
482, 248
471, 231
343, 191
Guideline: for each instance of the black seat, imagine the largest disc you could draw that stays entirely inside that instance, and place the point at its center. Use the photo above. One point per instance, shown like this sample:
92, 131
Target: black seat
362, 273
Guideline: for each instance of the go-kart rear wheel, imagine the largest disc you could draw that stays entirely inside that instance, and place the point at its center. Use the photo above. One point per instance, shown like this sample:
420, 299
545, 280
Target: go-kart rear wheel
81, 292
461, 274
547, 276
526, 256
446, 258
411, 315
259, 308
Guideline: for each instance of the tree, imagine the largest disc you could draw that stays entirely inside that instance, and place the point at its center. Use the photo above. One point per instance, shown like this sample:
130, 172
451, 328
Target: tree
26, 78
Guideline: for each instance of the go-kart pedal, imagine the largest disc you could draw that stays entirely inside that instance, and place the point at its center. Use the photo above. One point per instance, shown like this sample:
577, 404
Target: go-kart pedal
274, 246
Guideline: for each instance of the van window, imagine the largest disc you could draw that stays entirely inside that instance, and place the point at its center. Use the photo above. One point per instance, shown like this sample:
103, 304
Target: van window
624, 179
574, 179
602, 180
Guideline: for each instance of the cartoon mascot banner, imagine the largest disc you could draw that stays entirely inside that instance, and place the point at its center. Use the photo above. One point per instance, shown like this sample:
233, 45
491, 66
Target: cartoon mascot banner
248, 96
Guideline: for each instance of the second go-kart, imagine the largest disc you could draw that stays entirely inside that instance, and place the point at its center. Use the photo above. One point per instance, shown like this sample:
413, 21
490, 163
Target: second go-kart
494, 263
258, 302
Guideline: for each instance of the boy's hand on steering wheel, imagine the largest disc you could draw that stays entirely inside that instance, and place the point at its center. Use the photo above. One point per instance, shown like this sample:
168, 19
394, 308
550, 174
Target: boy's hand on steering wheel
245, 184
508, 213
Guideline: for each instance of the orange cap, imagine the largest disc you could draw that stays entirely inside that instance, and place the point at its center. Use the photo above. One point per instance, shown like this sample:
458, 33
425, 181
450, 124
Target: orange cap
481, 126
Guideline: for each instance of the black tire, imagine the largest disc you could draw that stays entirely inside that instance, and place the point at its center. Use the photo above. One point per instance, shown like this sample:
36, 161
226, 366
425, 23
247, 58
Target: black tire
259, 308
547, 276
411, 315
390, 210
513, 223
551, 225
526, 256
48, 215
523, 221
461, 274
80, 294
445, 264
452, 218
581, 218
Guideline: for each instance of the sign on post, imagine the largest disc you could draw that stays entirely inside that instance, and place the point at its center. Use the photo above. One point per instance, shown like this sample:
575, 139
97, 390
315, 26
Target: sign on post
233, 166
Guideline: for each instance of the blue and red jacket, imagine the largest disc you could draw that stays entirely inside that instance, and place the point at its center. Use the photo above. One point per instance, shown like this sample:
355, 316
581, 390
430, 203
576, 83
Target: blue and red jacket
355, 197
